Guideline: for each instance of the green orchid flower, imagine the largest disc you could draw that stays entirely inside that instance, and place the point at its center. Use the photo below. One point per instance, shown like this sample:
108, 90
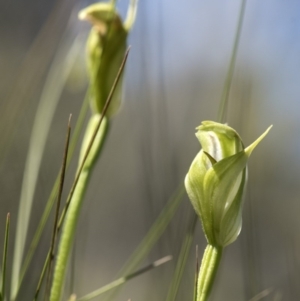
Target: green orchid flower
216, 181
106, 47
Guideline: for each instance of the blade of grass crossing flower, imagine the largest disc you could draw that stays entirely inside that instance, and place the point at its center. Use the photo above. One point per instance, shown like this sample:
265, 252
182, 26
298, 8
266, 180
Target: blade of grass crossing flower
90, 152
50, 255
92, 140
124, 279
183, 256
61, 185
153, 235
55, 82
51, 199
212, 256
4, 260
228, 79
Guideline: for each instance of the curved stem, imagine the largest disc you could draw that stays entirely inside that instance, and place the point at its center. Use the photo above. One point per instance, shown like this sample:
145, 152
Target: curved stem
209, 266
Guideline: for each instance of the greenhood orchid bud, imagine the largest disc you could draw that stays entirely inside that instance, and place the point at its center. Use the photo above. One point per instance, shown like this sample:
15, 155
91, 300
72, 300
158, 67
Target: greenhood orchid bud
106, 47
216, 181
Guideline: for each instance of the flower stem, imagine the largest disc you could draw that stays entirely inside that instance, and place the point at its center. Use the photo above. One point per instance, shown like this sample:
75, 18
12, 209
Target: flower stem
209, 266
67, 237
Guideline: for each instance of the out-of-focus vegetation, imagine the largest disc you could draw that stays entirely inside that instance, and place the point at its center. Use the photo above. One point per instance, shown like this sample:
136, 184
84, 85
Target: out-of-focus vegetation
174, 80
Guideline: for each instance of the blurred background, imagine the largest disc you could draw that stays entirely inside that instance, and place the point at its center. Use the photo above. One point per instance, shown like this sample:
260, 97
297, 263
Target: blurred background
174, 80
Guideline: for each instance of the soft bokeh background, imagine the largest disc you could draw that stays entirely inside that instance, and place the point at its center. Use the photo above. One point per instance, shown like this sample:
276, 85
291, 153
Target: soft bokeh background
174, 80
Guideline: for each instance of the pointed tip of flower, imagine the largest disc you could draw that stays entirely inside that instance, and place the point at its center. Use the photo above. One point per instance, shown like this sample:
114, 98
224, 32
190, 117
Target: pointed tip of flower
252, 146
82, 15
94, 10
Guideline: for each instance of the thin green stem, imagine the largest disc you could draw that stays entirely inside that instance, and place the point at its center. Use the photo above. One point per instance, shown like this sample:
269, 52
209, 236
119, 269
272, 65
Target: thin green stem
42, 275
182, 259
55, 232
4, 261
196, 275
51, 94
209, 266
152, 236
91, 147
51, 199
227, 85
124, 279
76, 202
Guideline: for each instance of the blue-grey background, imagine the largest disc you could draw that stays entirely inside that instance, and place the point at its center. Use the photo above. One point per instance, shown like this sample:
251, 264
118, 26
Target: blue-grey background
174, 79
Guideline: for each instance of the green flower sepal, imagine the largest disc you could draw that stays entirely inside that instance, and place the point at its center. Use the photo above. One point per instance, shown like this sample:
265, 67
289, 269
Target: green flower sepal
106, 48
216, 181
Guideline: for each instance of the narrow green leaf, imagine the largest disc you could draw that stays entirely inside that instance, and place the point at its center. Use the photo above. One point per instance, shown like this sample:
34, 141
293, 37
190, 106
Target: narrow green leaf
227, 85
124, 279
196, 275
4, 261
43, 273
183, 256
50, 255
97, 133
55, 82
153, 235
51, 199
61, 185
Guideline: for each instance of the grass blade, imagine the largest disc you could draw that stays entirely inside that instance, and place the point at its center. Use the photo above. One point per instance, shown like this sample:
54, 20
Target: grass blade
124, 279
155, 232
89, 155
55, 82
32, 71
227, 85
4, 261
51, 199
183, 256
262, 294
43, 273
50, 255
61, 185
196, 274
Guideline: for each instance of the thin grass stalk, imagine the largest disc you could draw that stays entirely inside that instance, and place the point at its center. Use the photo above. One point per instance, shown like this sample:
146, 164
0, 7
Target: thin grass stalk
61, 185
42, 276
124, 279
182, 259
212, 254
32, 70
51, 199
53, 88
196, 275
228, 80
152, 236
77, 192
4, 259
51, 251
